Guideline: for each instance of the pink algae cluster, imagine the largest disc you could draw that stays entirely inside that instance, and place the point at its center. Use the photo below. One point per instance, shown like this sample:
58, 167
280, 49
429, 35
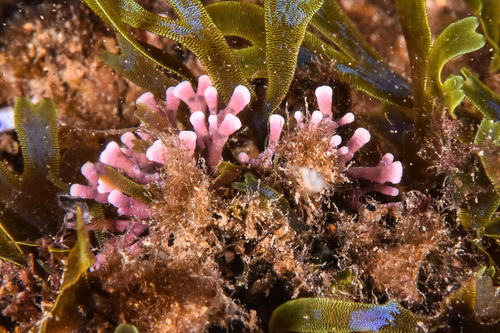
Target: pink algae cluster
211, 130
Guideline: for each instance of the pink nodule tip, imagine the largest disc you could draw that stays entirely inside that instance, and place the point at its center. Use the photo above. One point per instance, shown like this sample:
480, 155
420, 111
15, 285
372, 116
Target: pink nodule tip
103, 187
128, 206
171, 106
239, 99
89, 171
335, 141
128, 139
211, 99
184, 91
204, 82
324, 96
316, 118
299, 116
229, 125
148, 100
81, 191
244, 158
346, 119
342, 151
115, 157
360, 137
199, 123
276, 123
188, 141
111, 153
386, 159
395, 172
212, 123
157, 152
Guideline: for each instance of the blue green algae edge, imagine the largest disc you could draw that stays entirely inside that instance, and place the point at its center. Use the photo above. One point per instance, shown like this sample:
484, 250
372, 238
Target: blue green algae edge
318, 315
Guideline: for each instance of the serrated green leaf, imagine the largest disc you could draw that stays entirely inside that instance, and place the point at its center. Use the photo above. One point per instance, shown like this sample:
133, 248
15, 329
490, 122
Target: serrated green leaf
453, 92
488, 12
458, 38
483, 98
9, 249
492, 228
194, 29
116, 180
245, 21
327, 315
139, 69
285, 27
32, 196
478, 211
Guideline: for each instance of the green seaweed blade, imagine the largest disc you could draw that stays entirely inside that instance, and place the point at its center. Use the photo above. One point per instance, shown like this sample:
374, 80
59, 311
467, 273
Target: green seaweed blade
285, 23
417, 33
323, 315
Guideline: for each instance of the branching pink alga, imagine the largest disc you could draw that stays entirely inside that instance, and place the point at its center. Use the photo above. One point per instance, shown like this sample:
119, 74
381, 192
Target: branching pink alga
211, 130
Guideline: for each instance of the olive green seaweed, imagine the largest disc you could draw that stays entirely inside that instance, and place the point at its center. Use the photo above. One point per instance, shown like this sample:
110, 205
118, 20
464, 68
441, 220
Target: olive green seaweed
323, 315
66, 315
116, 180
126, 328
194, 30
488, 12
27, 200
285, 27
458, 38
482, 97
417, 33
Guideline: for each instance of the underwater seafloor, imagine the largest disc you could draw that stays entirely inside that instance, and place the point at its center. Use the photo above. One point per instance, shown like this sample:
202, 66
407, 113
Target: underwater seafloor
221, 259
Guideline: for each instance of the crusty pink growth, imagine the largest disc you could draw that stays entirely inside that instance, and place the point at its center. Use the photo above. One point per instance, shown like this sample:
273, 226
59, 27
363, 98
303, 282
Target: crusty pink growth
204, 82
188, 141
229, 125
129, 206
114, 156
199, 123
89, 171
276, 123
128, 139
360, 137
324, 96
185, 92
243, 157
195, 101
388, 173
81, 191
239, 99
299, 117
148, 100
316, 118
171, 106
219, 138
211, 100
335, 141
103, 188
157, 152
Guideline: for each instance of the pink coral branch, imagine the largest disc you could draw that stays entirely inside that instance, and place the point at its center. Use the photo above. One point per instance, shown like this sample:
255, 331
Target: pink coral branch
129, 206
386, 171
